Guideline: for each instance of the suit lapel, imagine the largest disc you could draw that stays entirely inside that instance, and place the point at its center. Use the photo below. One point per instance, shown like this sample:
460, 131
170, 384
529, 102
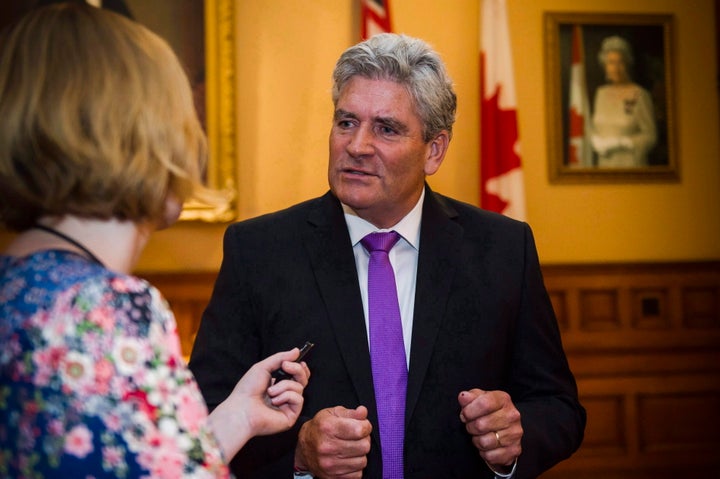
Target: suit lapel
440, 242
328, 244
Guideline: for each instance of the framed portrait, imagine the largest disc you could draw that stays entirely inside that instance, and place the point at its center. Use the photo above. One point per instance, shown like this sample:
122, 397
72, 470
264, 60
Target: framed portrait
610, 98
201, 32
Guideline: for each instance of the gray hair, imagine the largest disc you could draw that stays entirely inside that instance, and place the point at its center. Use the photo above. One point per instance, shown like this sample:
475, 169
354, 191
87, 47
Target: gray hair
410, 62
616, 44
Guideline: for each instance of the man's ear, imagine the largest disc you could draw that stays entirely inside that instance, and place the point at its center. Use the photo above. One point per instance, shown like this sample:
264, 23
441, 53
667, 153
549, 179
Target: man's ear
437, 147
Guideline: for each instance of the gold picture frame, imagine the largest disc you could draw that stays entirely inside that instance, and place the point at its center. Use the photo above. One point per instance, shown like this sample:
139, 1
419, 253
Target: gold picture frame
650, 38
208, 52
220, 99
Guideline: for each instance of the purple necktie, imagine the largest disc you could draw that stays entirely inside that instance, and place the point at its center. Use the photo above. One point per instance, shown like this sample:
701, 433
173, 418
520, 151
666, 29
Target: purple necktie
387, 351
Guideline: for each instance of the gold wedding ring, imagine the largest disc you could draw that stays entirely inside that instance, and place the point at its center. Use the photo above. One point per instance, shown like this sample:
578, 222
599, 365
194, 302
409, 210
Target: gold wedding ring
497, 438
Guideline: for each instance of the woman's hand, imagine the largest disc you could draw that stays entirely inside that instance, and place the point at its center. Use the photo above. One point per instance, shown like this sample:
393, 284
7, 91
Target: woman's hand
256, 407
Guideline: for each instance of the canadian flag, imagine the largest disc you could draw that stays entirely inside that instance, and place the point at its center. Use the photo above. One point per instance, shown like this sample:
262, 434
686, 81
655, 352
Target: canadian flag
579, 153
501, 187
374, 17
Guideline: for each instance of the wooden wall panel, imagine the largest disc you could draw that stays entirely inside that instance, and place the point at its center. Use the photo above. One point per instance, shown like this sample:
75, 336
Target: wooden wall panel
187, 295
643, 341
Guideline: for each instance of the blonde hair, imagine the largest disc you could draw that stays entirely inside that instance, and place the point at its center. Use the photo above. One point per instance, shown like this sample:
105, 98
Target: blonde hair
96, 119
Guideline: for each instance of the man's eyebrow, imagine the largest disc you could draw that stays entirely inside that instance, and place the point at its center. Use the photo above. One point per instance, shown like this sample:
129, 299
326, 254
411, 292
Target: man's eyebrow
396, 125
340, 113
388, 121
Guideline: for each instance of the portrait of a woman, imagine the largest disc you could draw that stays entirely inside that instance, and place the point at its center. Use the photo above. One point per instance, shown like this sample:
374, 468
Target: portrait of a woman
623, 129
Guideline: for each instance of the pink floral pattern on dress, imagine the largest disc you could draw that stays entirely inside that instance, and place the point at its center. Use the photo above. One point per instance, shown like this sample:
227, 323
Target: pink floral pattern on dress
92, 381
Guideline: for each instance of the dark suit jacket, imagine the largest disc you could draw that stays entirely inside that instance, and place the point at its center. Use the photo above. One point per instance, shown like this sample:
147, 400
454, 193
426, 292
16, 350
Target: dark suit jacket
482, 319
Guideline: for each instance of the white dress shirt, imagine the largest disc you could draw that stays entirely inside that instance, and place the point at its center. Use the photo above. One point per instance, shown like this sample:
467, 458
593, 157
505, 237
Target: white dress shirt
403, 258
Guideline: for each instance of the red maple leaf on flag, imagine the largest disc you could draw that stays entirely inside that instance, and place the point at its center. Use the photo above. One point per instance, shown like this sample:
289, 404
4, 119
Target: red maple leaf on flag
501, 188
499, 135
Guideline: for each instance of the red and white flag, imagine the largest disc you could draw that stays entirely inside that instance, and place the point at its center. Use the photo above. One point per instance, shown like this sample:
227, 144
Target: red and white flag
502, 187
579, 152
374, 17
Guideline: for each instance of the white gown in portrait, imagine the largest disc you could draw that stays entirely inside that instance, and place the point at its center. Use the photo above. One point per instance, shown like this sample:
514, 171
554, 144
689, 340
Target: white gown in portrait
623, 126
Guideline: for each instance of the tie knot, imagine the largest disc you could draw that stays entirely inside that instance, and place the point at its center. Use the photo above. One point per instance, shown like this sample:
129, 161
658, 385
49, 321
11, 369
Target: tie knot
380, 241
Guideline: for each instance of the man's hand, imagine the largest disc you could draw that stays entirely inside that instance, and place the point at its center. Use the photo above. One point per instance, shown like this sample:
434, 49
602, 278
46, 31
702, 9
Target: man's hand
335, 443
494, 424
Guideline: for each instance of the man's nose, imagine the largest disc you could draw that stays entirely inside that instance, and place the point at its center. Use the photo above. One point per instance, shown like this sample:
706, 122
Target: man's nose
361, 142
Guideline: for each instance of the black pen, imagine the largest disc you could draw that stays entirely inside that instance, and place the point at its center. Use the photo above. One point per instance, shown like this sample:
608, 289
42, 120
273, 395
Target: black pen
279, 374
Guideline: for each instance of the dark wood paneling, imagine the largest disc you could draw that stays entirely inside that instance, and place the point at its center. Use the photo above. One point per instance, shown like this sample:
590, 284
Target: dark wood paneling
187, 295
643, 341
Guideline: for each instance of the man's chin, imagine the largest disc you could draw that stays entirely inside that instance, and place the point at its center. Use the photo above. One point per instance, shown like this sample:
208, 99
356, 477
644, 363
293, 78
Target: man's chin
356, 200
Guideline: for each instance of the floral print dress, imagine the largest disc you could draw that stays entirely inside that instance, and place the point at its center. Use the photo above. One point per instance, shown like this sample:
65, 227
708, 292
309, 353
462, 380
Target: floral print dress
92, 380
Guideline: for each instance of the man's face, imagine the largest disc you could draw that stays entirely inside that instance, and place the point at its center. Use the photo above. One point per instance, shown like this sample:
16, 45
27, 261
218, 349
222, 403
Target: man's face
378, 158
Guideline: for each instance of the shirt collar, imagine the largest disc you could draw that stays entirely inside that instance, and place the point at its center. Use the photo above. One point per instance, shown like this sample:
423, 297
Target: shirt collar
408, 227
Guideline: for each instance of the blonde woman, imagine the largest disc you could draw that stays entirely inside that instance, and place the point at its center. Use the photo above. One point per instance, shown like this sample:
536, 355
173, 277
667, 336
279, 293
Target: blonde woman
99, 146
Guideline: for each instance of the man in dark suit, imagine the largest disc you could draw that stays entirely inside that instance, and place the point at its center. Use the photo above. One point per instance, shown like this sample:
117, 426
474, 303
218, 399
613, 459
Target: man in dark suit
488, 389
